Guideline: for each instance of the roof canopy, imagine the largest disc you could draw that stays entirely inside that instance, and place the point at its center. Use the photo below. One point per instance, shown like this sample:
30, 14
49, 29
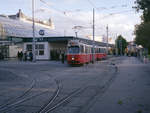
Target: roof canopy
19, 28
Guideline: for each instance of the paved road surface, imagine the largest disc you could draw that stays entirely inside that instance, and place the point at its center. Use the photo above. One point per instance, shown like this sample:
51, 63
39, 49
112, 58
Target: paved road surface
129, 93
104, 87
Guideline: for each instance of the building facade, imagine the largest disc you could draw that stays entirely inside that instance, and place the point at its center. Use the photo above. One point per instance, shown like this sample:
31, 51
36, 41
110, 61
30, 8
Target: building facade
19, 34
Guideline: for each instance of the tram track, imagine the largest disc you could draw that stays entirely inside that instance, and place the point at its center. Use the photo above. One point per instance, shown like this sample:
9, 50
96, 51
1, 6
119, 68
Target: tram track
52, 104
15, 100
49, 107
99, 90
26, 96
62, 101
52, 99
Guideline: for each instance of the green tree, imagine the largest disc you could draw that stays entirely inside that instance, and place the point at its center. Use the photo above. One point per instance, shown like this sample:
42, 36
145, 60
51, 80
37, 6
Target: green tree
121, 44
144, 6
142, 31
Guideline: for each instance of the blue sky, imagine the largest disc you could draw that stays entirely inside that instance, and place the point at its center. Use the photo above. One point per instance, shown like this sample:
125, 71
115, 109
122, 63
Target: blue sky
79, 12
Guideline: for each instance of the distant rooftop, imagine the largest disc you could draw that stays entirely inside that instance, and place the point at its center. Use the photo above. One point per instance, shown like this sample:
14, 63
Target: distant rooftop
19, 28
21, 16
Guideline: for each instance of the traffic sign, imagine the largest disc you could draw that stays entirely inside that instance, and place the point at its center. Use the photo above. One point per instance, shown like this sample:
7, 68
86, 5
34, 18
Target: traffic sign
41, 32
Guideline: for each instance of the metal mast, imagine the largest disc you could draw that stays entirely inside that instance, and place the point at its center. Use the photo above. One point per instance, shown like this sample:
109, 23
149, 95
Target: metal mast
93, 50
33, 39
107, 38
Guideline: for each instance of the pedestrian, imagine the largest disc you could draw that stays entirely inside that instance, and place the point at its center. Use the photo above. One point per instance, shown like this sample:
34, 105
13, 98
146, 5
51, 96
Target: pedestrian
1, 56
18, 55
21, 56
25, 56
31, 56
62, 57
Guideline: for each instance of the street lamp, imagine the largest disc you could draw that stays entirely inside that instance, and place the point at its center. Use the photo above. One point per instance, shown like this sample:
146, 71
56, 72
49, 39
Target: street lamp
33, 32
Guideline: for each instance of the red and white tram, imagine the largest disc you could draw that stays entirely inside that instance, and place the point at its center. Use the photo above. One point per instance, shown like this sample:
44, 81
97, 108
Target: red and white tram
80, 53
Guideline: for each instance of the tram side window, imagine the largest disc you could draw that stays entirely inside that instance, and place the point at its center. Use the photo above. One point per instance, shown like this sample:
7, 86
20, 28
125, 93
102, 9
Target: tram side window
99, 50
82, 49
103, 50
73, 49
86, 49
96, 50
92, 49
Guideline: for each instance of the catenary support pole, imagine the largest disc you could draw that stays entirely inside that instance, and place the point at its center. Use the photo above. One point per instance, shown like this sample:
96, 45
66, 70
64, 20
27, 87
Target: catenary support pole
107, 37
93, 50
33, 28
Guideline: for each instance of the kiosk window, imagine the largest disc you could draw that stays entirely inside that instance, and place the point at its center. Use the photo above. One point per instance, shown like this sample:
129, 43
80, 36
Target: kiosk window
41, 52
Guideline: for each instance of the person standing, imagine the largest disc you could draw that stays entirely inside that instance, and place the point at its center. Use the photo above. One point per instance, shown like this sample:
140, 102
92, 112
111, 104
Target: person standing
62, 57
18, 55
21, 56
31, 56
25, 56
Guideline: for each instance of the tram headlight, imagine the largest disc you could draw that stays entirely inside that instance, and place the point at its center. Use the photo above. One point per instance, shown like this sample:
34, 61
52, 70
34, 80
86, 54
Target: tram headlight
72, 58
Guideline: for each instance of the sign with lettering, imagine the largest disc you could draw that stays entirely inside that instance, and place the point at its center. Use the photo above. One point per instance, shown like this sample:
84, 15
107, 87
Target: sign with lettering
41, 32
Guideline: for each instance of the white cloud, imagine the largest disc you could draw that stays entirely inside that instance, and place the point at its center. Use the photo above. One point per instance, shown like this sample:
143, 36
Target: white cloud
118, 24
70, 1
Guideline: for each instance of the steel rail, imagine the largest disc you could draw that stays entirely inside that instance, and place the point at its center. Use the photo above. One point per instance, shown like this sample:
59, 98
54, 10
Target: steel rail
21, 101
52, 99
64, 100
15, 99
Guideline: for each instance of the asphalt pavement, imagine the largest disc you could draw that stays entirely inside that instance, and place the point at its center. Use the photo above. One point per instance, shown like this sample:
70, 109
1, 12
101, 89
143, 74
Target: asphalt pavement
130, 91
115, 85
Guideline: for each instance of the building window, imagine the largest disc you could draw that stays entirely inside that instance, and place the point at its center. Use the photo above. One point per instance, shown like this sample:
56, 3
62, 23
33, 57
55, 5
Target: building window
29, 47
36, 46
41, 52
39, 49
41, 46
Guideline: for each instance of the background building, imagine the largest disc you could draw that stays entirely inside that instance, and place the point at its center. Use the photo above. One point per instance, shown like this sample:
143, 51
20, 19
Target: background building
16, 35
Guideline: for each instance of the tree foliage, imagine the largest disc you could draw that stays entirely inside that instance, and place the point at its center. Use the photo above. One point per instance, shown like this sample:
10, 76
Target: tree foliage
142, 31
144, 6
121, 44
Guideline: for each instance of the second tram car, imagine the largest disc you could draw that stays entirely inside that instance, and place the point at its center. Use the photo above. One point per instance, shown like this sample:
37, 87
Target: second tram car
80, 53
